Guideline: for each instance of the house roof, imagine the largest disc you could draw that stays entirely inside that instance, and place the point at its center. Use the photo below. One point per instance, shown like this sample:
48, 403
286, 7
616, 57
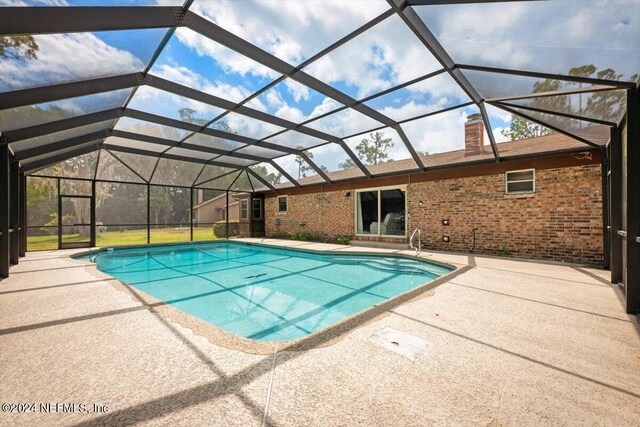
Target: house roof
552, 142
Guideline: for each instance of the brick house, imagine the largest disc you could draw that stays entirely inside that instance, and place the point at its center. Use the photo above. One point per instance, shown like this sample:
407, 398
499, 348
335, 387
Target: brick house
547, 207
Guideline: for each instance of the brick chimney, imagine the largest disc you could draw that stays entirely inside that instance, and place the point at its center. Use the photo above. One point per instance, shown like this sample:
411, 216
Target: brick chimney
473, 135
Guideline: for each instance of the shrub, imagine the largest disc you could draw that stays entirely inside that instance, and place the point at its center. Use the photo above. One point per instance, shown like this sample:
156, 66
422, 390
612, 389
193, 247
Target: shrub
505, 250
344, 240
220, 229
306, 236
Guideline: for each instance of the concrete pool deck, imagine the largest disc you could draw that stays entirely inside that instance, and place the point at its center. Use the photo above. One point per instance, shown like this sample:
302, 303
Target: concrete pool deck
510, 342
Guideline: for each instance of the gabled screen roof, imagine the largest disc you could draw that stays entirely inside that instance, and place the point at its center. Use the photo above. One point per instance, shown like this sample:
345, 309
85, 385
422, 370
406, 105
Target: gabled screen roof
287, 91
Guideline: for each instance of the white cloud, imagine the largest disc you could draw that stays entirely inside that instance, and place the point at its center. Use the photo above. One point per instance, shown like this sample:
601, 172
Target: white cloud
247, 126
67, 57
297, 90
439, 133
344, 123
290, 113
185, 76
159, 102
327, 105
291, 30
274, 100
412, 109
229, 60
382, 57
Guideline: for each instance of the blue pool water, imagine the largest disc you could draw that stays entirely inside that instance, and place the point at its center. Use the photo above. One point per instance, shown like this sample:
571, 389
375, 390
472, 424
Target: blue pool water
261, 292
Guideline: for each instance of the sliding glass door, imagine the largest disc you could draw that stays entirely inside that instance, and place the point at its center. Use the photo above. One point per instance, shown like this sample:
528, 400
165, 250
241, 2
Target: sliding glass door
381, 212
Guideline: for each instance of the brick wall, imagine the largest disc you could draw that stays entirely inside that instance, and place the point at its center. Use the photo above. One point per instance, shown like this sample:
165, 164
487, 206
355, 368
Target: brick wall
562, 221
327, 213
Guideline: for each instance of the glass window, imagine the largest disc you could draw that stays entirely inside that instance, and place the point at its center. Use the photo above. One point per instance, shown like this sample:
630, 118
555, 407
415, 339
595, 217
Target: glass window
392, 212
517, 182
367, 212
386, 204
282, 204
257, 209
244, 209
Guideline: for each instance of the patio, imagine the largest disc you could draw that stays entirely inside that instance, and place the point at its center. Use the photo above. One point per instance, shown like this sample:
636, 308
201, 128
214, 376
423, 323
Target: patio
510, 343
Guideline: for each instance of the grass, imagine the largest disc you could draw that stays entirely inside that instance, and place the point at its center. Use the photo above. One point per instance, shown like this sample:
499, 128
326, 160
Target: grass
122, 238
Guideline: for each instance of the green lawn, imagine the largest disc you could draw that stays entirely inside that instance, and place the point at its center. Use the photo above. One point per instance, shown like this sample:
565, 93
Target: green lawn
121, 238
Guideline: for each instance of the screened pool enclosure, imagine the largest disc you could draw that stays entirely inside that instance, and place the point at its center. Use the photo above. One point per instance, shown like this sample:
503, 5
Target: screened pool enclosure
138, 116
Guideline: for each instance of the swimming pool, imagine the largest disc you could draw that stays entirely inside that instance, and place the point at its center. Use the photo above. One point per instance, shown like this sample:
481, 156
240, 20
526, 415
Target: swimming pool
262, 292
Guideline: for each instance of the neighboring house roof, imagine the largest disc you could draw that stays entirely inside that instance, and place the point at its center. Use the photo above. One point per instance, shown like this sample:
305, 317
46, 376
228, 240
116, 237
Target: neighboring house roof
206, 202
538, 145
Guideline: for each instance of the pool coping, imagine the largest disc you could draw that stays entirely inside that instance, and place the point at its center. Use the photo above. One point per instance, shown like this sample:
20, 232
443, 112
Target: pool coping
328, 335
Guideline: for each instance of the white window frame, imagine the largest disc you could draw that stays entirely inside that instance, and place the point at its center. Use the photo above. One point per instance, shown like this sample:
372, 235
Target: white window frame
286, 202
245, 217
379, 190
507, 181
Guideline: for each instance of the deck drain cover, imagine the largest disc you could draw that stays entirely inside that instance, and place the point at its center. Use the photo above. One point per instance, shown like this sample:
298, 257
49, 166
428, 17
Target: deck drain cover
409, 346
